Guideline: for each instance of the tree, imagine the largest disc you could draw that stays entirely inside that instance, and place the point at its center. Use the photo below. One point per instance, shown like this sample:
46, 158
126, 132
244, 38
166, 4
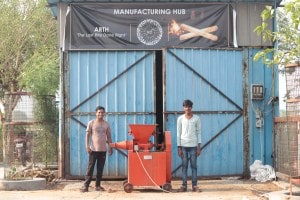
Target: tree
29, 59
287, 35
28, 51
28, 48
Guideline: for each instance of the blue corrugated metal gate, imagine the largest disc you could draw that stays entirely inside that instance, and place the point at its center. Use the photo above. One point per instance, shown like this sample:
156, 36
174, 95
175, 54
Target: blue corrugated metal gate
213, 80
125, 83
122, 82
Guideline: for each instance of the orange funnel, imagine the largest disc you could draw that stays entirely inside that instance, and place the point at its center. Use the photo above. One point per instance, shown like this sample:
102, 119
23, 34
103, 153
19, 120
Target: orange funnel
142, 132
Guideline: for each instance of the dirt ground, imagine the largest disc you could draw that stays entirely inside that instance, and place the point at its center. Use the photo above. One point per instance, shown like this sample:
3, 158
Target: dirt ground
223, 189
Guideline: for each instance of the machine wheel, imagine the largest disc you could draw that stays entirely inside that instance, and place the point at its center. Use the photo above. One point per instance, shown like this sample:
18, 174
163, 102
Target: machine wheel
167, 187
128, 187
125, 181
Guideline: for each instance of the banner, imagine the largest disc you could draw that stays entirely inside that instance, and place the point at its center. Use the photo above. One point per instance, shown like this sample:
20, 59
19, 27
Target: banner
147, 26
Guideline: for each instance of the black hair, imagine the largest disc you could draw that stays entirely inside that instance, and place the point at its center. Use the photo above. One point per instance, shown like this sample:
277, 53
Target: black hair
100, 108
187, 102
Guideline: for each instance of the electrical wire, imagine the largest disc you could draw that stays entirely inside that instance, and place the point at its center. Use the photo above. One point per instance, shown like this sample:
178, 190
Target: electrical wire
137, 153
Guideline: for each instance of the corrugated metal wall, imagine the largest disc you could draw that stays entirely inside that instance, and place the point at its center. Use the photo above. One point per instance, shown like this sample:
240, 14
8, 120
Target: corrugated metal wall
213, 80
261, 138
122, 82
248, 18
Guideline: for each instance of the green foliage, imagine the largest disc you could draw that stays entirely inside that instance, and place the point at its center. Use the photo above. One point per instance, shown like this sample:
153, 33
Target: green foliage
28, 47
41, 71
287, 34
39, 78
11, 173
1, 144
46, 113
29, 60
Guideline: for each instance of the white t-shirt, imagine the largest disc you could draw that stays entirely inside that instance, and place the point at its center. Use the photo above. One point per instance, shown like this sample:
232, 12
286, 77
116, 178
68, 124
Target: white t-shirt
188, 131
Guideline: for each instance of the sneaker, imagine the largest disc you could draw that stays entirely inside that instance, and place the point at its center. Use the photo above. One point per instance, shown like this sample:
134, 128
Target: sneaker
84, 189
196, 189
99, 188
182, 189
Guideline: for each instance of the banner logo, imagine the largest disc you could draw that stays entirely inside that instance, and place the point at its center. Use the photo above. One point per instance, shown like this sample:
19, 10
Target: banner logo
149, 32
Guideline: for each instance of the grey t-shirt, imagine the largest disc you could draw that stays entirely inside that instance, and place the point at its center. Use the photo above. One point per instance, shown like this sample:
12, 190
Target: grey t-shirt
98, 132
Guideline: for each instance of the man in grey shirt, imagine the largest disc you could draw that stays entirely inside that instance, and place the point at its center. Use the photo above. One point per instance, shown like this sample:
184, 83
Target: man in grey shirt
189, 143
97, 135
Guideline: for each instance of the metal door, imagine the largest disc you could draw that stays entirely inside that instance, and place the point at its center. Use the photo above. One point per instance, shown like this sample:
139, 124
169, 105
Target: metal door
213, 80
122, 82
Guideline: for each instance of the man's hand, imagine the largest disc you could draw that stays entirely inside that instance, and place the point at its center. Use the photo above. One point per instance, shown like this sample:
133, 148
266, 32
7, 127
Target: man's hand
180, 152
89, 150
198, 152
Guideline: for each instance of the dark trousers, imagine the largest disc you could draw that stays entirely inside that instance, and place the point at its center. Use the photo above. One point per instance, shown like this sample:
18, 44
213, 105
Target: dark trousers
94, 157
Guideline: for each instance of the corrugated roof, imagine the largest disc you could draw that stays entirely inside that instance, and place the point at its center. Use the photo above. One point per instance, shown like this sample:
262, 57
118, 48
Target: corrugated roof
53, 3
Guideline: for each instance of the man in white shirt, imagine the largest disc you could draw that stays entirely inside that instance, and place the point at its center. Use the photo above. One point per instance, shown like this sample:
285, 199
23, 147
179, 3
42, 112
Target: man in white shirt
189, 143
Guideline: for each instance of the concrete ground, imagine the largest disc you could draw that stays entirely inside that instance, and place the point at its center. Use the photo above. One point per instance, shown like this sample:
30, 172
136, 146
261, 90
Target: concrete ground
226, 189
221, 189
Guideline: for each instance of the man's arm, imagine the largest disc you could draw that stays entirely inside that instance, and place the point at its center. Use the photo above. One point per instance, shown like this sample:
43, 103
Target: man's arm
109, 140
179, 130
108, 134
199, 135
198, 131
199, 149
87, 139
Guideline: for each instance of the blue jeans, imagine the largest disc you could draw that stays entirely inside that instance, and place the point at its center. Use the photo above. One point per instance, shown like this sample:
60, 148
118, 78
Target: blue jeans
189, 153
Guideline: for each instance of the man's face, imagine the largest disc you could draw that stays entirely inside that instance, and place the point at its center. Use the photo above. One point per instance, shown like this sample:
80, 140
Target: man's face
187, 109
100, 114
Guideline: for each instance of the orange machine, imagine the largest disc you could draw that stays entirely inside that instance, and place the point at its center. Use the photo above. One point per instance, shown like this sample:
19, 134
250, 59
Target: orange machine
149, 164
